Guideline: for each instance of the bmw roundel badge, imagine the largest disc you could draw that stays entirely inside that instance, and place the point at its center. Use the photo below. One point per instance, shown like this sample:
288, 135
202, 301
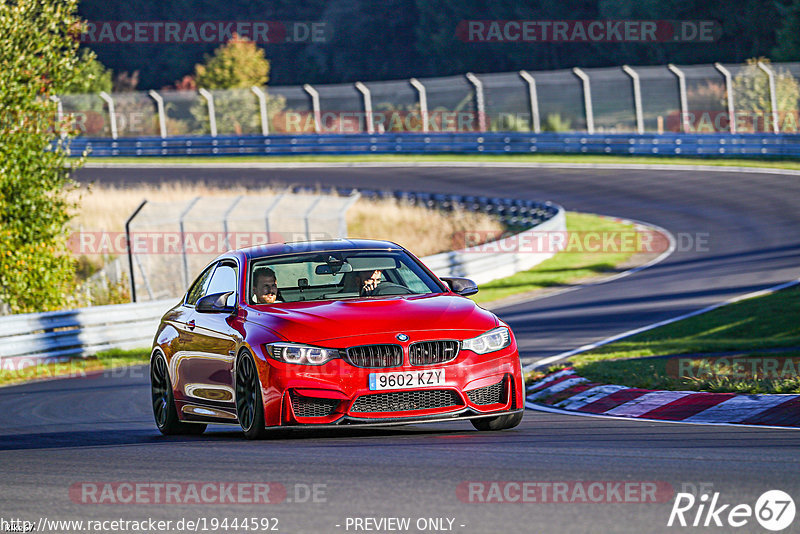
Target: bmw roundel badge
401, 337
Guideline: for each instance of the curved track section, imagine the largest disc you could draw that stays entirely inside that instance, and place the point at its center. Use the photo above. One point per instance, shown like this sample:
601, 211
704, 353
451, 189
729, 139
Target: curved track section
56, 434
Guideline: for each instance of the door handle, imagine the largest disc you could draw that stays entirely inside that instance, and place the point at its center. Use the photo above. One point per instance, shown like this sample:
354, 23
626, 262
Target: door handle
190, 324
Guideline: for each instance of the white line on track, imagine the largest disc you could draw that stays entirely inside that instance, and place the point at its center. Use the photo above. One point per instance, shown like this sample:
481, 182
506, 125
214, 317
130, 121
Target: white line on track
567, 354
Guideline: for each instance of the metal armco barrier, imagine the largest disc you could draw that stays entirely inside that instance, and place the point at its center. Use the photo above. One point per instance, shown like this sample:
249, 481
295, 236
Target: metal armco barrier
26, 339
667, 144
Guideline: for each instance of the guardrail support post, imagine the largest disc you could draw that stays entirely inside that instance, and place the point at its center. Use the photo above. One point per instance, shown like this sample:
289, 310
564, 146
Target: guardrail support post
367, 97
729, 90
162, 116
422, 98
533, 98
587, 98
262, 106
212, 115
130, 248
637, 98
480, 103
183, 240
112, 116
315, 107
773, 97
682, 94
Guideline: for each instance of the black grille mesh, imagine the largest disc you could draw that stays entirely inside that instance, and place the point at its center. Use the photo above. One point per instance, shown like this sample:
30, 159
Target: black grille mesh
375, 355
312, 406
405, 401
432, 352
487, 395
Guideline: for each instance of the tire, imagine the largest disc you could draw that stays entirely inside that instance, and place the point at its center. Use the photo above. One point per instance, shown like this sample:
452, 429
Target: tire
164, 412
501, 422
249, 404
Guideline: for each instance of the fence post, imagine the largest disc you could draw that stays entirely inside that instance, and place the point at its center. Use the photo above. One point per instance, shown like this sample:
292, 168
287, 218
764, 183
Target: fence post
130, 249
315, 107
225, 221
262, 106
729, 90
307, 216
422, 98
480, 103
112, 116
354, 196
682, 94
183, 240
587, 98
637, 98
212, 115
533, 98
271, 207
367, 97
773, 97
162, 117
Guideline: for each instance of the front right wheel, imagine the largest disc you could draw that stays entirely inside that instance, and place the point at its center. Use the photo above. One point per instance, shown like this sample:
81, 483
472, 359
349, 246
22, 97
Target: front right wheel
249, 405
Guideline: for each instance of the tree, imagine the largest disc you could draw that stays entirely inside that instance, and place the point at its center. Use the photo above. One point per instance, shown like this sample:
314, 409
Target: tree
39, 54
751, 95
231, 71
238, 64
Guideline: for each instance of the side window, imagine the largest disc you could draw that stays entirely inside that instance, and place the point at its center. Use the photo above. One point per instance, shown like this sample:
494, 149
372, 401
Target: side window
197, 289
222, 281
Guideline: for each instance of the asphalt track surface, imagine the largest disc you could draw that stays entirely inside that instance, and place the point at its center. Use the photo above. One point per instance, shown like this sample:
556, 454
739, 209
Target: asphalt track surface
99, 429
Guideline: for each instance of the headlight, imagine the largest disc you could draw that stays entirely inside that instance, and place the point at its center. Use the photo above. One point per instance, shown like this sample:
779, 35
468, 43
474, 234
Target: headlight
300, 354
491, 341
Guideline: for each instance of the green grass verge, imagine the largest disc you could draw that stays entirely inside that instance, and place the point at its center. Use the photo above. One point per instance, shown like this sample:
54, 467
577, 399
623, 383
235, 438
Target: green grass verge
563, 268
747, 327
76, 367
478, 158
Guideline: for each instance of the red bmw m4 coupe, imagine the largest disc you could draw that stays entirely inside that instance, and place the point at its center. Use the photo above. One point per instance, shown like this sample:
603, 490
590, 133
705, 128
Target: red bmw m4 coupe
331, 334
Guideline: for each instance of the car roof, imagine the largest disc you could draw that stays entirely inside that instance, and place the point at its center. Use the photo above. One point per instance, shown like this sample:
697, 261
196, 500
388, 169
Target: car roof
259, 251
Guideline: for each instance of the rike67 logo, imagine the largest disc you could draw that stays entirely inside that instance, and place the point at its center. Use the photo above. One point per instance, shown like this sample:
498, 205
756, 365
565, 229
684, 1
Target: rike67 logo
774, 510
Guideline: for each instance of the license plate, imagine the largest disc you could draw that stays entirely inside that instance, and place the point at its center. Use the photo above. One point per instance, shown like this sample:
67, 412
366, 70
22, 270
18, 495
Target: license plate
406, 379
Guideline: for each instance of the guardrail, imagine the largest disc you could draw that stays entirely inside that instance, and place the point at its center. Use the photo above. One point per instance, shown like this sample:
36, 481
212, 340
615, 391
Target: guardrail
26, 339
667, 144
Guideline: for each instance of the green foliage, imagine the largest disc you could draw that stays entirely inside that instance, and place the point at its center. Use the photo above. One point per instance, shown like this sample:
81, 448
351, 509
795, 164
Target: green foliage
555, 123
91, 76
751, 90
39, 57
238, 64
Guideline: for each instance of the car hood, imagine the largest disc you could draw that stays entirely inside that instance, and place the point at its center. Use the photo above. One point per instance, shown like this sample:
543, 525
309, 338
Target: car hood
315, 322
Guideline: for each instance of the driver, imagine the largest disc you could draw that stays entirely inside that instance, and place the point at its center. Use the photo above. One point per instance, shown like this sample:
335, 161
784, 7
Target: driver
265, 287
367, 282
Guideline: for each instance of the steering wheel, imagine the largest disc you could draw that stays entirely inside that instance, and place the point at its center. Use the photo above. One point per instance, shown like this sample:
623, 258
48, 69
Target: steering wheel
387, 288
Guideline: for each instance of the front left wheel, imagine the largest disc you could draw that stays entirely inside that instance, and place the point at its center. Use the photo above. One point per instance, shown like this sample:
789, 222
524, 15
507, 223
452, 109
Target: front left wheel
249, 405
163, 401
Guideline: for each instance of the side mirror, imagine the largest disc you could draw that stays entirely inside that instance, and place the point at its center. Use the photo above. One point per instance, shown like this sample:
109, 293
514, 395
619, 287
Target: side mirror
462, 286
215, 303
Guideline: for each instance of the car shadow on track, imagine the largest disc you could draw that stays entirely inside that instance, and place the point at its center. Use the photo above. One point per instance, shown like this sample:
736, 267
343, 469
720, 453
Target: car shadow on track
107, 438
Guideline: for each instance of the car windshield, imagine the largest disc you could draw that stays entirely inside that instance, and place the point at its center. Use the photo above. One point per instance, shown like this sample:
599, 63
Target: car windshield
338, 275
